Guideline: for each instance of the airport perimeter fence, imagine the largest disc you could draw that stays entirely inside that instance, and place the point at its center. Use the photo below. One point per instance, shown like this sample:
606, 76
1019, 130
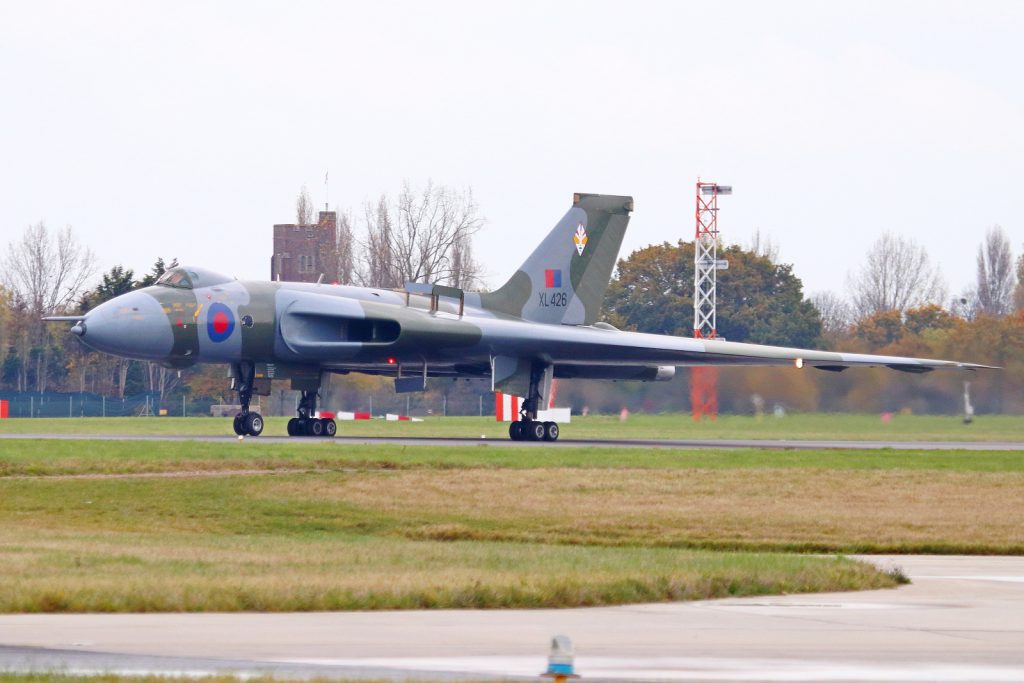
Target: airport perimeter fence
85, 404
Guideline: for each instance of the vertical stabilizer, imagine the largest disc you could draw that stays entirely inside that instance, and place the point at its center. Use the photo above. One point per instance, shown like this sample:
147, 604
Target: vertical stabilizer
565, 278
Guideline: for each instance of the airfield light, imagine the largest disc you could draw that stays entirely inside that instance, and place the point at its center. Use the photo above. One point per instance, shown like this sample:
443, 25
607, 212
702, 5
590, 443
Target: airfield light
561, 664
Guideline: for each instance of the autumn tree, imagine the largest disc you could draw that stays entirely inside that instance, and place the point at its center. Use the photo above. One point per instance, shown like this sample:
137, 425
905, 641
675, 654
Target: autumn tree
421, 236
378, 264
1018, 292
897, 275
758, 301
928, 317
45, 271
835, 313
346, 249
995, 279
303, 207
763, 245
652, 290
7, 334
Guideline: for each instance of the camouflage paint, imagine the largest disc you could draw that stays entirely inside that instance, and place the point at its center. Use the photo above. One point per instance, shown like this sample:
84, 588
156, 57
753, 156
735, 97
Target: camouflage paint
179, 306
584, 276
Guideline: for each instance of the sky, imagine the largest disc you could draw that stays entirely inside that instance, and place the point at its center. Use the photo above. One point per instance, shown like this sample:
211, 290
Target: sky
186, 129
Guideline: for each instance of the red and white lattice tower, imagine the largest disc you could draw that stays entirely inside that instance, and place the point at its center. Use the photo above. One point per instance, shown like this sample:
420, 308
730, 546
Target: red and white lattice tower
704, 380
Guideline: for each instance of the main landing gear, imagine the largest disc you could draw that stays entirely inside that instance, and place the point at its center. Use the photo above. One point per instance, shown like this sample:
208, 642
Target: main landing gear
308, 425
246, 423
528, 428
532, 430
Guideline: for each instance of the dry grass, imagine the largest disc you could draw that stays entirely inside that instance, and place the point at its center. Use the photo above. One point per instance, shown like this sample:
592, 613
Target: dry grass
805, 509
293, 542
474, 527
114, 572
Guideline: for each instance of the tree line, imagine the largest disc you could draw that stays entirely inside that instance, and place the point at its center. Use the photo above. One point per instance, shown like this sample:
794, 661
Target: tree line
897, 303
416, 235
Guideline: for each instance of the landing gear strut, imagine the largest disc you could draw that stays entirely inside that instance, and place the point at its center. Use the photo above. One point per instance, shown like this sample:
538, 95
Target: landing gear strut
528, 428
246, 423
306, 424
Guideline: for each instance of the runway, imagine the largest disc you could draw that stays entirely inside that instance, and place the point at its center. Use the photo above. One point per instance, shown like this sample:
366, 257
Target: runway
962, 619
794, 444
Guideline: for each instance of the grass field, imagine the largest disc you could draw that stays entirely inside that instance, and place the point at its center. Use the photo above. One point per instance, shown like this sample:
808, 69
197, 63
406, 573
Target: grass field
676, 426
129, 526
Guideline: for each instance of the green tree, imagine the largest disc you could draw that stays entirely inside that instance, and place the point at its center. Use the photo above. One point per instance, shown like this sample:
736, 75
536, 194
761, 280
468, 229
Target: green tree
159, 268
1018, 292
759, 301
117, 281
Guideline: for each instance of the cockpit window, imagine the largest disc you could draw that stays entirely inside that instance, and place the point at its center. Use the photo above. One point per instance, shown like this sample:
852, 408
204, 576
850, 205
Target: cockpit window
175, 277
186, 277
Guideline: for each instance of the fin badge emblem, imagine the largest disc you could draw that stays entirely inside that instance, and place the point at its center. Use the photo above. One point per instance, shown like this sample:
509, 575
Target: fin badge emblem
580, 239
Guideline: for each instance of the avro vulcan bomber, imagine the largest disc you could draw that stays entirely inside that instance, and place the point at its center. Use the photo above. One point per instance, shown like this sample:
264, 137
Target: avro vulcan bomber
541, 324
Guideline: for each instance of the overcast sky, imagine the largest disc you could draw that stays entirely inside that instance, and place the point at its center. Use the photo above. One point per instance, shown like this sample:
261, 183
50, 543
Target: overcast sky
185, 129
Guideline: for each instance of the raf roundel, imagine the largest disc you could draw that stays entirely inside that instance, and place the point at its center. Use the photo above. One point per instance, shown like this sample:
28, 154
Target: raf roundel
220, 322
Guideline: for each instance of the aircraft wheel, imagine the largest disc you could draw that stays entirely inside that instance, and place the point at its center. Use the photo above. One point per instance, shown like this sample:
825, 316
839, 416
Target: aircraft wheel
551, 431
535, 431
293, 427
315, 428
330, 427
253, 424
239, 428
515, 431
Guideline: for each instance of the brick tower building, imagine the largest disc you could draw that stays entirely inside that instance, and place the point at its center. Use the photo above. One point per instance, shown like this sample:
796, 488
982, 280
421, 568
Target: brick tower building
303, 252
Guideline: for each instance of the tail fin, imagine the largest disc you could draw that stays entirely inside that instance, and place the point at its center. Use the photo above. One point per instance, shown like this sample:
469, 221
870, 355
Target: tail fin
565, 278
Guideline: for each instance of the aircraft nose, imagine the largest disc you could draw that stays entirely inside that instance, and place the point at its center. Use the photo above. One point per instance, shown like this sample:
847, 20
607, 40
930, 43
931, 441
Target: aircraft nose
132, 325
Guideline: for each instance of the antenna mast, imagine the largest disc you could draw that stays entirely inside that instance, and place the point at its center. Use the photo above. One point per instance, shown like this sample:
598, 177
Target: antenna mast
706, 264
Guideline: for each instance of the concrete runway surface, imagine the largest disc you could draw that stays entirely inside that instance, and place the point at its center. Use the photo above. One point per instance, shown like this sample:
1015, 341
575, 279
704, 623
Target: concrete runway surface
962, 619
799, 444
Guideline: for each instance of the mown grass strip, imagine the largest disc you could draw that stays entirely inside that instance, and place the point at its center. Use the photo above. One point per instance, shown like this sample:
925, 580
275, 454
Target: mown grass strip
665, 426
332, 572
55, 457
